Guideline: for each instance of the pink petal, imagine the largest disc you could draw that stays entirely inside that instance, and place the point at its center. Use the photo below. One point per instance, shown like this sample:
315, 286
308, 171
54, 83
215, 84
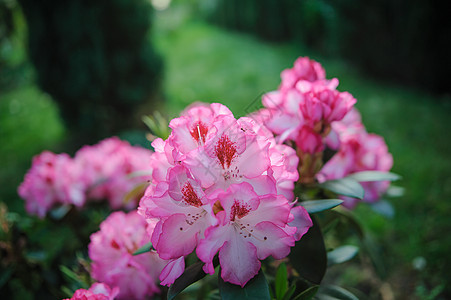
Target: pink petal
301, 221
215, 238
239, 262
172, 271
270, 239
178, 238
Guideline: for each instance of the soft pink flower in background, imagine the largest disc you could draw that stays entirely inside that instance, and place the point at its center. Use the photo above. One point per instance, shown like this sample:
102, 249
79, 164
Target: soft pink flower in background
303, 69
358, 151
108, 166
111, 251
108, 170
304, 98
98, 291
53, 179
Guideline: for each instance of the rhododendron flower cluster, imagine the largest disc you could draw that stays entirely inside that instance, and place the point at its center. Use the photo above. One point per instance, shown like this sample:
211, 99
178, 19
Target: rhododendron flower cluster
111, 251
358, 151
222, 185
101, 171
303, 109
98, 291
53, 179
107, 168
309, 112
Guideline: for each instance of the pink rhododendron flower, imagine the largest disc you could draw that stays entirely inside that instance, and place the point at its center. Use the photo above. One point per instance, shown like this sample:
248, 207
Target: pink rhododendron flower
233, 155
312, 104
108, 166
194, 126
251, 228
303, 110
111, 251
98, 291
184, 214
303, 69
53, 179
210, 156
108, 170
358, 151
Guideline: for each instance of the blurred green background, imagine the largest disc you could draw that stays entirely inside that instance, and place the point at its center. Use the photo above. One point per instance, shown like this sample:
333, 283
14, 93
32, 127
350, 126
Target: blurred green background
69, 75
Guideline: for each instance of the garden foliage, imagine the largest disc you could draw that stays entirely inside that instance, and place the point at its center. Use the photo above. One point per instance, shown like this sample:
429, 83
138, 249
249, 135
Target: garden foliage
94, 58
409, 37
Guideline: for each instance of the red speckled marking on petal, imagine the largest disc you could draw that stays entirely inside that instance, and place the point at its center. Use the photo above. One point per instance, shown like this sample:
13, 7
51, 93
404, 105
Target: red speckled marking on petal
190, 196
238, 210
225, 151
199, 132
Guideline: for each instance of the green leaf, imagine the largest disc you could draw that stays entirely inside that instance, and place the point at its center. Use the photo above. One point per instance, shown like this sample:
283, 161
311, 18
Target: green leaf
69, 274
146, 248
256, 289
140, 173
308, 293
281, 283
395, 191
384, 208
315, 206
191, 274
289, 292
308, 256
374, 176
344, 186
351, 221
135, 193
157, 124
331, 292
5, 275
59, 212
341, 254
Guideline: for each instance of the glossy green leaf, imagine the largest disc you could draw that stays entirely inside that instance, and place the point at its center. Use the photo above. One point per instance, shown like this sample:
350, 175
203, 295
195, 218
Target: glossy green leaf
344, 186
256, 289
308, 294
331, 292
191, 274
341, 254
315, 206
146, 248
281, 283
374, 176
308, 256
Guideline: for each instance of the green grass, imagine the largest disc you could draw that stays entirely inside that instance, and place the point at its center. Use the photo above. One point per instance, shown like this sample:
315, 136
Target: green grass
205, 63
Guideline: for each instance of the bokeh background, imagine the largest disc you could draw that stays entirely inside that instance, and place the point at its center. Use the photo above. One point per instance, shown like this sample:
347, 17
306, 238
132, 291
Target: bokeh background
73, 72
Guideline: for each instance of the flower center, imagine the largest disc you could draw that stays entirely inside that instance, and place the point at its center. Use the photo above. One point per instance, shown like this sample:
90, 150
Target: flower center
238, 210
199, 132
190, 196
225, 151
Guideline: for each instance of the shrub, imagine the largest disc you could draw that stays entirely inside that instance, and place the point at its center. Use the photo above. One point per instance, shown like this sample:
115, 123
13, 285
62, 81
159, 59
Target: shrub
94, 58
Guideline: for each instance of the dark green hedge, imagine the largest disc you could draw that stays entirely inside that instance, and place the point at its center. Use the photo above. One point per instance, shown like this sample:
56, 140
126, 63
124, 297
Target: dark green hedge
404, 40
94, 57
